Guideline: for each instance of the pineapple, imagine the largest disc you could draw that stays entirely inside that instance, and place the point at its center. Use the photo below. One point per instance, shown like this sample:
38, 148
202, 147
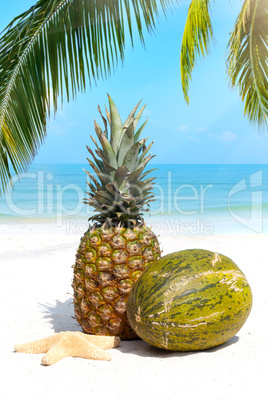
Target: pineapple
118, 246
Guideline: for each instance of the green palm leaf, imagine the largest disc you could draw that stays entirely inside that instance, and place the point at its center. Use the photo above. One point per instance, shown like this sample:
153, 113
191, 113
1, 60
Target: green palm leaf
196, 39
248, 59
55, 47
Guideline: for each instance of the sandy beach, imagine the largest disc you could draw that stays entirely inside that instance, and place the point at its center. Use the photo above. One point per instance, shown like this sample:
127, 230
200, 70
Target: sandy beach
36, 301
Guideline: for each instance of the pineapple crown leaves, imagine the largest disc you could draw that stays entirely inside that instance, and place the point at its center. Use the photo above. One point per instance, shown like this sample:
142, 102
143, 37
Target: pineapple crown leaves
119, 191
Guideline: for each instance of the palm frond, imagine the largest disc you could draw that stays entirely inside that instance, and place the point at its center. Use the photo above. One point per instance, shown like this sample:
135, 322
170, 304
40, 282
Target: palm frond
247, 60
53, 48
196, 39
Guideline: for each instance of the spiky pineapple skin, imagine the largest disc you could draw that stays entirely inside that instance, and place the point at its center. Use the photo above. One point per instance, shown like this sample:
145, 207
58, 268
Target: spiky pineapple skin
108, 263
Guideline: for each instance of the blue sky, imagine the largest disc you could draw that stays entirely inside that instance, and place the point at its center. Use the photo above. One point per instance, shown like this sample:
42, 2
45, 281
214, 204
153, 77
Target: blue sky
212, 129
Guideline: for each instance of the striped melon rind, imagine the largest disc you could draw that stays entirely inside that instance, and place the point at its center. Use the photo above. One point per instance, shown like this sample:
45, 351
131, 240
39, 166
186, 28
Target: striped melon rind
189, 300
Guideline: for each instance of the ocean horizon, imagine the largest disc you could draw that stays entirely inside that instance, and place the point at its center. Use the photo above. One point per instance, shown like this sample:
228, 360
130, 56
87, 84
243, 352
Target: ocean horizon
189, 199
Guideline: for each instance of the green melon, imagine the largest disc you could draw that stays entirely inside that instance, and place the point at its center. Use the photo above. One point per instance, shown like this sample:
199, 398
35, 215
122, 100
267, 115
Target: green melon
189, 300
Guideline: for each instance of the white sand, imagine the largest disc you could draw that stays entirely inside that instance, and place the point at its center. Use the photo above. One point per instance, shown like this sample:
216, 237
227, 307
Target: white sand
35, 278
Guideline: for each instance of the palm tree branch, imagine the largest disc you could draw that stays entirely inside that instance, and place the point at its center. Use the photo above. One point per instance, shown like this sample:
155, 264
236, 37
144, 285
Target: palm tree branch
196, 40
51, 50
247, 60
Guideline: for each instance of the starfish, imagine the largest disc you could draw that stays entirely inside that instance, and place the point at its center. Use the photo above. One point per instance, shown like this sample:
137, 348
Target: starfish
66, 344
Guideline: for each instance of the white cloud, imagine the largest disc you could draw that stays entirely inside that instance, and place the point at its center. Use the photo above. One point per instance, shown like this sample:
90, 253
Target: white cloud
147, 112
260, 136
225, 136
201, 130
194, 139
183, 128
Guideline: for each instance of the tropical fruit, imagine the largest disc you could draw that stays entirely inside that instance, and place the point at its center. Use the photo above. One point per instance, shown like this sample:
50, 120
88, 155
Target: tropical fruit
118, 246
189, 300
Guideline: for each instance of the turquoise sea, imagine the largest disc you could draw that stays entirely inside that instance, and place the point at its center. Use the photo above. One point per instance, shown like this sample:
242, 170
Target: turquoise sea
190, 199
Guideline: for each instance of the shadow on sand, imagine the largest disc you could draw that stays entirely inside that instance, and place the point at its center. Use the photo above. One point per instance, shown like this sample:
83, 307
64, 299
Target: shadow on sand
61, 318
141, 348
61, 315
